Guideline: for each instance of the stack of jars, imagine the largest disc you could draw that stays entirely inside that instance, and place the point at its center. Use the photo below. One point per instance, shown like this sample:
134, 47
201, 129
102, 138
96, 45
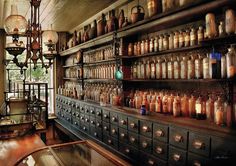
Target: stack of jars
103, 71
192, 66
105, 94
176, 104
71, 89
98, 55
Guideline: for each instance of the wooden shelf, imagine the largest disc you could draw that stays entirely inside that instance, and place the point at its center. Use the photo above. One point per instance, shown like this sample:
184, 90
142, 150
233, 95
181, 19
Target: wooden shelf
166, 51
180, 80
74, 65
221, 40
91, 43
182, 15
99, 62
72, 79
100, 80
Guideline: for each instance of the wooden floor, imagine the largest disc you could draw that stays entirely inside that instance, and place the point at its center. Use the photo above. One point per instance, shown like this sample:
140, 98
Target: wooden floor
14, 149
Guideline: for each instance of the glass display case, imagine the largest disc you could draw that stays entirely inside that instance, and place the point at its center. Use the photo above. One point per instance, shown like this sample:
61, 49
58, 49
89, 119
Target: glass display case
81, 153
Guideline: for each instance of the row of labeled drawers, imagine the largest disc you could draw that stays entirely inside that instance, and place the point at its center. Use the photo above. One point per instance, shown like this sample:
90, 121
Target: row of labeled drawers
134, 137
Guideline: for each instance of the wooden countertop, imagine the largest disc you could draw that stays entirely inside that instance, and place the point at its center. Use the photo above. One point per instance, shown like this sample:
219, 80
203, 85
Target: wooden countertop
13, 149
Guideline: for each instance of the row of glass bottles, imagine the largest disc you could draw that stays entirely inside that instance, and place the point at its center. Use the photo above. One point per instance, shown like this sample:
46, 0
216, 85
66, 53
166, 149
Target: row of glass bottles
71, 89
98, 55
193, 66
103, 71
168, 102
104, 93
73, 72
173, 40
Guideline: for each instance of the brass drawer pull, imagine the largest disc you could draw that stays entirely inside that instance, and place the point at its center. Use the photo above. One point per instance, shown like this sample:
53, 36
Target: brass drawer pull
198, 145
145, 129
92, 111
127, 150
122, 135
132, 139
73, 113
144, 144
82, 118
159, 133
132, 125
98, 124
109, 141
98, 113
77, 115
75, 123
105, 116
178, 138
113, 119
159, 150
176, 157
105, 128
196, 163
92, 122
84, 128
113, 131
151, 162
123, 122
86, 120
67, 119
95, 134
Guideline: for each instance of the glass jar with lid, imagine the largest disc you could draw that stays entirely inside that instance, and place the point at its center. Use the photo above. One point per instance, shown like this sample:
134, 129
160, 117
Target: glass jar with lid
142, 48
148, 70
151, 45
176, 106
218, 111
229, 21
155, 42
210, 109
158, 68
170, 68
192, 111
153, 68
198, 67
165, 42
146, 46
184, 105
176, 68
231, 62
184, 68
200, 34
164, 69
193, 37
160, 42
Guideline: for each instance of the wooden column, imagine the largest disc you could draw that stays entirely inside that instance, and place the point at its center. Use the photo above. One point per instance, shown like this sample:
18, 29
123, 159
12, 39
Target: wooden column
2, 71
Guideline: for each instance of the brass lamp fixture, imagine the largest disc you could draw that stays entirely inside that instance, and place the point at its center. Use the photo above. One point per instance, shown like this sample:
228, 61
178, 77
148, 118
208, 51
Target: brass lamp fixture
16, 25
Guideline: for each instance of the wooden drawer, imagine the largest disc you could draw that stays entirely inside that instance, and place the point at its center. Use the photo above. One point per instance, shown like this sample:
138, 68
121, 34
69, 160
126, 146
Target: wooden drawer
178, 137
146, 128
199, 144
81, 108
82, 118
95, 133
86, 109
106, 128
150, 160
123, 135
84, 128
114, 131
75, 122
223, 151
196, 160
160, 132
145, 144
110, 141
123, 121
106, 116
92, 122
98, 113
98, 124
92, 111
177, 157
133, 124
114, 118
133, 139
67, 118
160, 149
87, 120
129, 151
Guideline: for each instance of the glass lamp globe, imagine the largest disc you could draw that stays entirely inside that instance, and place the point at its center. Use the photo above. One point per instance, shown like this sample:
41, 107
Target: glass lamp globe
15, 24
50, 36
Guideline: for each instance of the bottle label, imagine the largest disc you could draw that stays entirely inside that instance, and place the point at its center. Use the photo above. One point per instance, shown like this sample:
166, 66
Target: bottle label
198, 108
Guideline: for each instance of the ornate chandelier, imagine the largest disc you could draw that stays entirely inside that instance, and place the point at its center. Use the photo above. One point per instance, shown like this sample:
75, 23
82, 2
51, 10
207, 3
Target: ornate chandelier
16, 25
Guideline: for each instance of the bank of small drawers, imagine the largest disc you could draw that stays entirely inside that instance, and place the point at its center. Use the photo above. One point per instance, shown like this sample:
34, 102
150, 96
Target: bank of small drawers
152, 142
